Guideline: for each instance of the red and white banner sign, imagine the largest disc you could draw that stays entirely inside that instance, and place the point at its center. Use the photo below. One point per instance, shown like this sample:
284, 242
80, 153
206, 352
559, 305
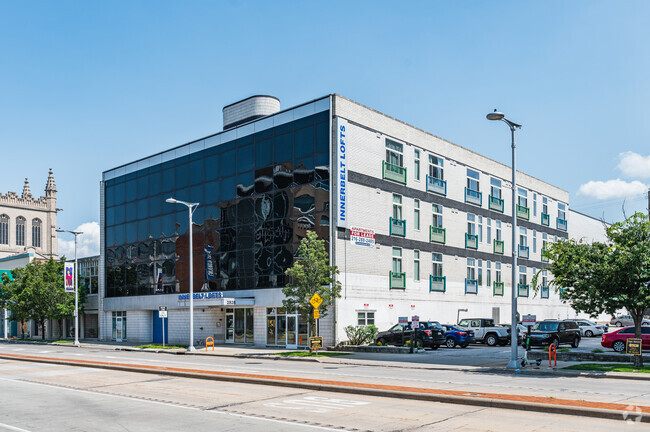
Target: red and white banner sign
362, 236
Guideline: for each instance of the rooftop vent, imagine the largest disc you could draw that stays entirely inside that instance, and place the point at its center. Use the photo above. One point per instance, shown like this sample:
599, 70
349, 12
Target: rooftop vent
249, 109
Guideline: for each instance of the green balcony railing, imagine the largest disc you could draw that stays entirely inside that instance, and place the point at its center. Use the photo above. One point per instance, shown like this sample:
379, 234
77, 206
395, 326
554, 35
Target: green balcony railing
397, 280
436, 185
523, 212
546, 219
473, 196
524, 252
438, 283
561, 224
393, 172
398, 227
497, 289
437, 235
544, 292
523, 290
498, 246
495, 203
471, 286
471, 241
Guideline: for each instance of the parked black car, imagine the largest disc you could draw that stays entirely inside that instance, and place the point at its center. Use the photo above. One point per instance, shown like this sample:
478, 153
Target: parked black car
549, 332
430, 335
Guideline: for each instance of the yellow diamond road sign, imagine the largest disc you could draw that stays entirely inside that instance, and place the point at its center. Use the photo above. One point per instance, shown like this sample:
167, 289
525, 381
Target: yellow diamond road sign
316, 300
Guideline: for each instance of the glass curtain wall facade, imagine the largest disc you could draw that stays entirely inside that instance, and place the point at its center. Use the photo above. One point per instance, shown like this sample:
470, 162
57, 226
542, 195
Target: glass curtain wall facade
258, 196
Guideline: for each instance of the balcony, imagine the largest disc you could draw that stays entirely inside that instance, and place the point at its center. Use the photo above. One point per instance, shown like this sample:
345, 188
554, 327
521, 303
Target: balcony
544, 259
497, 289
546, 219
393, 172
437, 235
498, 246
398, 227
523, 212
561, 224
524, 252
397, 280
438, 283
471, 286
471, 241
544, 292
522, 290
473, 197
495, 203
436, 185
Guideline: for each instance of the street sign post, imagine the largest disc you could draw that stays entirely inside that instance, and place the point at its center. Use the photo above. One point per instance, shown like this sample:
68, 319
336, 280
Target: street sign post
529, 320
415, 324
315, 301
162, 313
316, 314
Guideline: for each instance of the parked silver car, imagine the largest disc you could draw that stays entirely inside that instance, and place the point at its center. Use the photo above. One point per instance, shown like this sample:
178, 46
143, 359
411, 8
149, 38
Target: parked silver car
589, 329
626, 320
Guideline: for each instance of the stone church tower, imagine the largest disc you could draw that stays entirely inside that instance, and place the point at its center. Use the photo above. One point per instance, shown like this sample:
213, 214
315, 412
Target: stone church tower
28, 224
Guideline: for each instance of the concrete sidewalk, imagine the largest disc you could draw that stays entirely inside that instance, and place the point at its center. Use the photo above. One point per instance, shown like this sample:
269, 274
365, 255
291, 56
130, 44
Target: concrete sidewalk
388, 360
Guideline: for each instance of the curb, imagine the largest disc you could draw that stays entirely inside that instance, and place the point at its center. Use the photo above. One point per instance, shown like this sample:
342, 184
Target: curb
490, 400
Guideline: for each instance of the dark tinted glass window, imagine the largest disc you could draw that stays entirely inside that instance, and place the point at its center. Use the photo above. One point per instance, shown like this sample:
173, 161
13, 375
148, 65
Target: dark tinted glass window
303, 142
227, 164
627, 331
251, 193
245, 159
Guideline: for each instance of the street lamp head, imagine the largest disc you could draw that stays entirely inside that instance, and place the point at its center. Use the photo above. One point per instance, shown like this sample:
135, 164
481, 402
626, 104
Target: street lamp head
171, 200
496, 115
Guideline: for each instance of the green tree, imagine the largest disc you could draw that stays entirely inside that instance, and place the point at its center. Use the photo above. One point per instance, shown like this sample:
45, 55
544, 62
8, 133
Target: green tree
605, 277
311, 274
37, 292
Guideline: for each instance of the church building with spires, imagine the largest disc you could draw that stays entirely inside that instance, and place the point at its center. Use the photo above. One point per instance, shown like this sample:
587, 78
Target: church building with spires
27, 223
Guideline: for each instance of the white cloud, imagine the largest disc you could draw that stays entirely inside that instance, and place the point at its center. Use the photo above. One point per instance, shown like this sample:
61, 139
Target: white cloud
87, 243
612, 189
634, 165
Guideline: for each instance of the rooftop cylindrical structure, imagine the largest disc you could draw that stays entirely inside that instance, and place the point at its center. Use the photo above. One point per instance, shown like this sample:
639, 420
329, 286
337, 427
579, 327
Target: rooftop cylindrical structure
249, 109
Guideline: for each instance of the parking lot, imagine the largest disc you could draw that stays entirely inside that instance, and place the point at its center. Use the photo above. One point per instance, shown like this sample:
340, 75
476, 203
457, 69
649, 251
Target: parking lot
479, 355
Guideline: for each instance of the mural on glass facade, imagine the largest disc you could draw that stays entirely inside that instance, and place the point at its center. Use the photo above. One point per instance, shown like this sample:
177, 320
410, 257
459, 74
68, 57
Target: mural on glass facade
258, 196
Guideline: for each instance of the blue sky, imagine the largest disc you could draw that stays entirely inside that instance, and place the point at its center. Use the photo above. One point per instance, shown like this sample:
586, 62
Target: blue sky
87, 86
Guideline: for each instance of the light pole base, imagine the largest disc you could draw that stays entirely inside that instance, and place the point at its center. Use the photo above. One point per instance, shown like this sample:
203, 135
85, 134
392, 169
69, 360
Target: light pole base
76, 343
191, 348
513, 364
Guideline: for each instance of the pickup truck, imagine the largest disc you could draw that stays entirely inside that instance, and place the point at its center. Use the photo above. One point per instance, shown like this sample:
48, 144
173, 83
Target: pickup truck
486, 331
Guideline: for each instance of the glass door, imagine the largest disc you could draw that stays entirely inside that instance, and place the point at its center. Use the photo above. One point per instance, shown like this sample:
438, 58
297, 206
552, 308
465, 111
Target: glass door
118, 329
282, 329
230, 326
292, 331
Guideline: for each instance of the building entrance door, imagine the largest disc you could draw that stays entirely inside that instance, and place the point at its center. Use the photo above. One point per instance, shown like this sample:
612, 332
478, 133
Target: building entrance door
292, 331
230, 326
118, 329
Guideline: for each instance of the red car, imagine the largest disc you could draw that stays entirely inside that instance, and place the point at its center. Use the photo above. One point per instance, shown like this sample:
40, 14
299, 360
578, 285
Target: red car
616, 340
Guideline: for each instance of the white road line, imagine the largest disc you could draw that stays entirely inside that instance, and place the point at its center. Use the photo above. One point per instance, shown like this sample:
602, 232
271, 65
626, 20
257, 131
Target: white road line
18, 349
251, 417
44, 352
12, 428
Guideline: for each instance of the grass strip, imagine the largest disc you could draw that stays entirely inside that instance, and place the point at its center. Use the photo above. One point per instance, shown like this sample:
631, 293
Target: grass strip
607, 367
310, 354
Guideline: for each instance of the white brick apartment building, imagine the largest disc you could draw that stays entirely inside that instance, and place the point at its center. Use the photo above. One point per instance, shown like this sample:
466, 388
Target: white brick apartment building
439, 215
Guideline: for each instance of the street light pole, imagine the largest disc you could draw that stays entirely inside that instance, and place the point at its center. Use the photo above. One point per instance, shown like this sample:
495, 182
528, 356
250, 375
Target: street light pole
190, 207
76, 286
513, 363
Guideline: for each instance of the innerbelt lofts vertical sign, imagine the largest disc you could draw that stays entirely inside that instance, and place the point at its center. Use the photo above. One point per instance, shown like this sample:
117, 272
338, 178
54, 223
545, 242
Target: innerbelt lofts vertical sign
68, 277
342, 198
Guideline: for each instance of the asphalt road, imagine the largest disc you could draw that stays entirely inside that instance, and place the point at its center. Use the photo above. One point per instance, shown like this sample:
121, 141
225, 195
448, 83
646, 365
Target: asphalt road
399, 374
44, 397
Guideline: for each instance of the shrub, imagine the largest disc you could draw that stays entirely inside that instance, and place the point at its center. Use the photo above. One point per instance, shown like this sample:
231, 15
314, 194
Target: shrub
597, 350
361, 335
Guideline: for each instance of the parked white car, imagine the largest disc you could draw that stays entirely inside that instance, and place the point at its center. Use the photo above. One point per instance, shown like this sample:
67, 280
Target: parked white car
626, 320
589, 329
